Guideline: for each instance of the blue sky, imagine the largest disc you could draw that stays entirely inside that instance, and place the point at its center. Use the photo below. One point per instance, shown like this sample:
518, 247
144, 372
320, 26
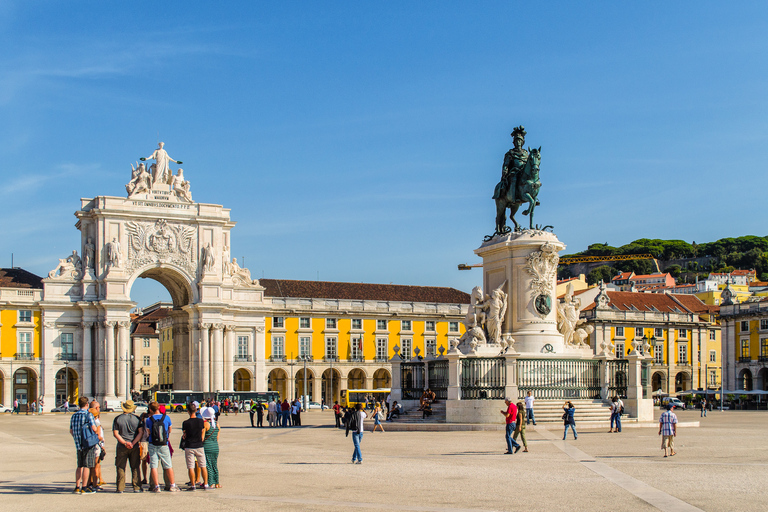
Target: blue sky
361, 141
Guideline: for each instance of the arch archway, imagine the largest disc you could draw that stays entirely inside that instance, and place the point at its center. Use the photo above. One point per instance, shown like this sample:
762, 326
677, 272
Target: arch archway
177, 281
356, 379
25, 386
382, 379
331, 385
682, 381
657, 380
67, 386
299, 383
242, 380
762, 379
744, 382
278, 381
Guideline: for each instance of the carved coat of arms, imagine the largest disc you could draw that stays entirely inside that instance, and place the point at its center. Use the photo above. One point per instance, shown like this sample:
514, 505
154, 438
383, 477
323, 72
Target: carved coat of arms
161, 242
542, 266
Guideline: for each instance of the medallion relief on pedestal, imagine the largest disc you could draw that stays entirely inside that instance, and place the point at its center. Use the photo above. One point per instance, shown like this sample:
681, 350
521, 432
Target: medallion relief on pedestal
542, 266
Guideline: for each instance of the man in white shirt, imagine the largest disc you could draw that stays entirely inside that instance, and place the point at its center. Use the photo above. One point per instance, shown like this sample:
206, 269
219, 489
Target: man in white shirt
272, 413
355, 425
529, 409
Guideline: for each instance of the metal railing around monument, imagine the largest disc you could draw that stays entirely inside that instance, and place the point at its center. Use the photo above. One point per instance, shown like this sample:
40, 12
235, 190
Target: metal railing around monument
618, 374
482, 378
412, 380
437, 371
563, 379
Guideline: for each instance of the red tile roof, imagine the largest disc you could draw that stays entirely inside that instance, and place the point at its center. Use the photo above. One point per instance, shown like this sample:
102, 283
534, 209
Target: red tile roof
19, 278
635, 301
623, 275
362, 291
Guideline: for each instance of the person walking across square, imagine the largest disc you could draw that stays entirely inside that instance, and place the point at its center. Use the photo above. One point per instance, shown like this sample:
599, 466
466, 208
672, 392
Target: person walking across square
520, 429
128, 431
615, 415
529, 409
355, 425
569, 420
668, 430
510, 416
86, 456
704, 407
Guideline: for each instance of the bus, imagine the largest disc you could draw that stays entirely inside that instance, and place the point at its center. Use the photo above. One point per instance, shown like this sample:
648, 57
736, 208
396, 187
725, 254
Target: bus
177, 400
352, 397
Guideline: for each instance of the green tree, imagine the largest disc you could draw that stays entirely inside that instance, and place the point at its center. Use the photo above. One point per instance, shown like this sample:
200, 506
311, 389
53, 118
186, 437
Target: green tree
674, 270
602, 273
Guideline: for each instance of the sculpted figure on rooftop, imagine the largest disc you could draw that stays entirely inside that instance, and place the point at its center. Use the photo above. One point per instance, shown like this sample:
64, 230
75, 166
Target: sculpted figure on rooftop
141, 181
161, 170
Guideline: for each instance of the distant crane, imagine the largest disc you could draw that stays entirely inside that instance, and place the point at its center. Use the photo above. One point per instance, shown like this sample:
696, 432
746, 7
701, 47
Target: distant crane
587, 259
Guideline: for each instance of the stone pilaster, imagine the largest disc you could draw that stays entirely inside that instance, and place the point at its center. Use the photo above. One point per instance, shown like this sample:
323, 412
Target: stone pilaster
205, 357
86, 352
123, 356
217, 343
109, 360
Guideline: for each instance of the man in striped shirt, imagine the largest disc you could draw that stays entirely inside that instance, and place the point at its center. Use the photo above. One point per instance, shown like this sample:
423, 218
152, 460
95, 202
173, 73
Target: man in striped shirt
668, 430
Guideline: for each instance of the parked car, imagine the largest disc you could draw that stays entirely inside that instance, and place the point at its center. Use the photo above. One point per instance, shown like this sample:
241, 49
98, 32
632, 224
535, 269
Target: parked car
111, 406
5, 409
62, 409
141, 408
314, 405
674, 402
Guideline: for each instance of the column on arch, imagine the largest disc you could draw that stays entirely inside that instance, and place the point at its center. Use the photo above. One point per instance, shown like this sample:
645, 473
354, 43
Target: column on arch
86, 353
99, 358
109, 360
218, 357
122, 357
193, 362
205, 357
46, 386
229, 356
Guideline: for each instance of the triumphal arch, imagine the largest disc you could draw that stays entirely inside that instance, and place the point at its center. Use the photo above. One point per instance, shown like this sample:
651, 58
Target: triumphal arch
156, 231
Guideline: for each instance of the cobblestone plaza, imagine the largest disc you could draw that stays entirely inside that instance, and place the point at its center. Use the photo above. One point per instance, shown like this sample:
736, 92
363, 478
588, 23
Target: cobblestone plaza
720, 465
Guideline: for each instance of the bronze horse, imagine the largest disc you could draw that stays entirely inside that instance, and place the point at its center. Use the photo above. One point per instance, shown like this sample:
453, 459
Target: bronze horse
527, 189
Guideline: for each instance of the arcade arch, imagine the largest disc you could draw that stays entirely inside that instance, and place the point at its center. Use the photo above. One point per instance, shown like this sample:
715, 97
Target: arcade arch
299, 383
331, 385
762, 379
356, 379
657, 380
242, 380
382, 379
25, 386
67, 386
744, 382
277, 380
682, 381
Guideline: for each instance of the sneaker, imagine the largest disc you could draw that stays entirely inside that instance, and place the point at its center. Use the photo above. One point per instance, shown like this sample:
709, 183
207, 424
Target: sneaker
88, 490
517, 449
77, 491
190, 488
359, 462
119, 492
205, 487
155, 489
144, 482
176, 489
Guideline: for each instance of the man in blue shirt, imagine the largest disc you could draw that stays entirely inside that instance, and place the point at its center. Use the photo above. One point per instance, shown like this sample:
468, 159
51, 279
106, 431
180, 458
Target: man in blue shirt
159, 453
86, 457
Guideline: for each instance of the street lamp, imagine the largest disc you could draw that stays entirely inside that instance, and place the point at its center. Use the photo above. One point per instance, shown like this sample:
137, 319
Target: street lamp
66, 382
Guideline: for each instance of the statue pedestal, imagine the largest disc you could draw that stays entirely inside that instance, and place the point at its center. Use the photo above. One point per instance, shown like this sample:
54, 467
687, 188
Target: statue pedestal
527, 261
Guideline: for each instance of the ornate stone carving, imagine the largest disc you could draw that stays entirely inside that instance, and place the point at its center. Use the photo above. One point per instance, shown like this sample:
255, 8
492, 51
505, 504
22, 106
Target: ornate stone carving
124, 324
260, 329
241, 276
161, 172
70, 267
88, 254
113, 253
474, 321
218, 327
49, 325
140, 182
568, 316
109, 324
161, 242
87, 325
496, 310
602, 300
180, 187
542, 266
209, 259
581, 336
230, 327
485, 316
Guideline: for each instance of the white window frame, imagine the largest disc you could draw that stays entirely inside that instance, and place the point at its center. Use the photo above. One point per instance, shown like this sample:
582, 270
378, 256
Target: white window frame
147, 360
682, 333
278, 322
658, 354
22, 313
356, 346
357, 324
430, 345
67, 347
305, 346
406, 325
620, 350
305, 322
330, 323
745, 326
146, 343
406, 349
25, 339
764, 324
619, 332
381, 325
331, 347
429, 325
278, 346
146, 380
713, 356
682, 353
453, 326
243, 344
382, 348
658, 332
713, 377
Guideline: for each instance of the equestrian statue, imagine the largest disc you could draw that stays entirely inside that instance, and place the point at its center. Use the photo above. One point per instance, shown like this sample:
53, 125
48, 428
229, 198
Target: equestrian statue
519, 183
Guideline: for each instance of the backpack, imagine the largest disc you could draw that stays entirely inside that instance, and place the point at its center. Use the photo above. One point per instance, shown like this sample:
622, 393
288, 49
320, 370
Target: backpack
352, 425
159, 437
88, 438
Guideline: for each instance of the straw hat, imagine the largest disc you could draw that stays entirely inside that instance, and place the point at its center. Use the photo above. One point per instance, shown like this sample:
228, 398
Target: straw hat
128, 406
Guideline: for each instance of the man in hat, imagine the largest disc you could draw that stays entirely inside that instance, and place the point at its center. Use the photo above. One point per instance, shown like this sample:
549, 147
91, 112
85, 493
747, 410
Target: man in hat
514, 162
128, 431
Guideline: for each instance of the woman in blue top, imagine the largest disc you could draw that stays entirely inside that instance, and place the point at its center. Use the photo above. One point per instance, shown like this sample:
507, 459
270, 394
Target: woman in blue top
568, 419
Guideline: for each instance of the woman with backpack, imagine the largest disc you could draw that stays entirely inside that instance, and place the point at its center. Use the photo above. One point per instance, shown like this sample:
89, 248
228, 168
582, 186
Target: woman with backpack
378, 415
568, 419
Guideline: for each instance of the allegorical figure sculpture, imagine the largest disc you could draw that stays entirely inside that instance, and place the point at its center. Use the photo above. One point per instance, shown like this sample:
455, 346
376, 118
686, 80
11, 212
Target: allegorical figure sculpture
209, 260
71, 267
180, 186
519, 183
140, 182
497, 309
241, 276
113, 253
225, 261
474, 321
568, 316
88, 253
162, 171
485, 317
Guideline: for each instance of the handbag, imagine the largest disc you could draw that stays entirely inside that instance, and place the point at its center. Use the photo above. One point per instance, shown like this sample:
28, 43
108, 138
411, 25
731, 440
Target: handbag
183, 443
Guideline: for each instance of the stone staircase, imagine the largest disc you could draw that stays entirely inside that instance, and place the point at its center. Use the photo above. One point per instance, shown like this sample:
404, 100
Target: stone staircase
414, 415
586, 411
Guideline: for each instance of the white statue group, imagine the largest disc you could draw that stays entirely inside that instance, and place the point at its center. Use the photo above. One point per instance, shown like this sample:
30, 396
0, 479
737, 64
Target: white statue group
143, 181
573, 328
483, 323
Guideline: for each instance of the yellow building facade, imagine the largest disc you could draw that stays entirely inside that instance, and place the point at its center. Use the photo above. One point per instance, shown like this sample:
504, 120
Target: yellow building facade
745, 345
346, 333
